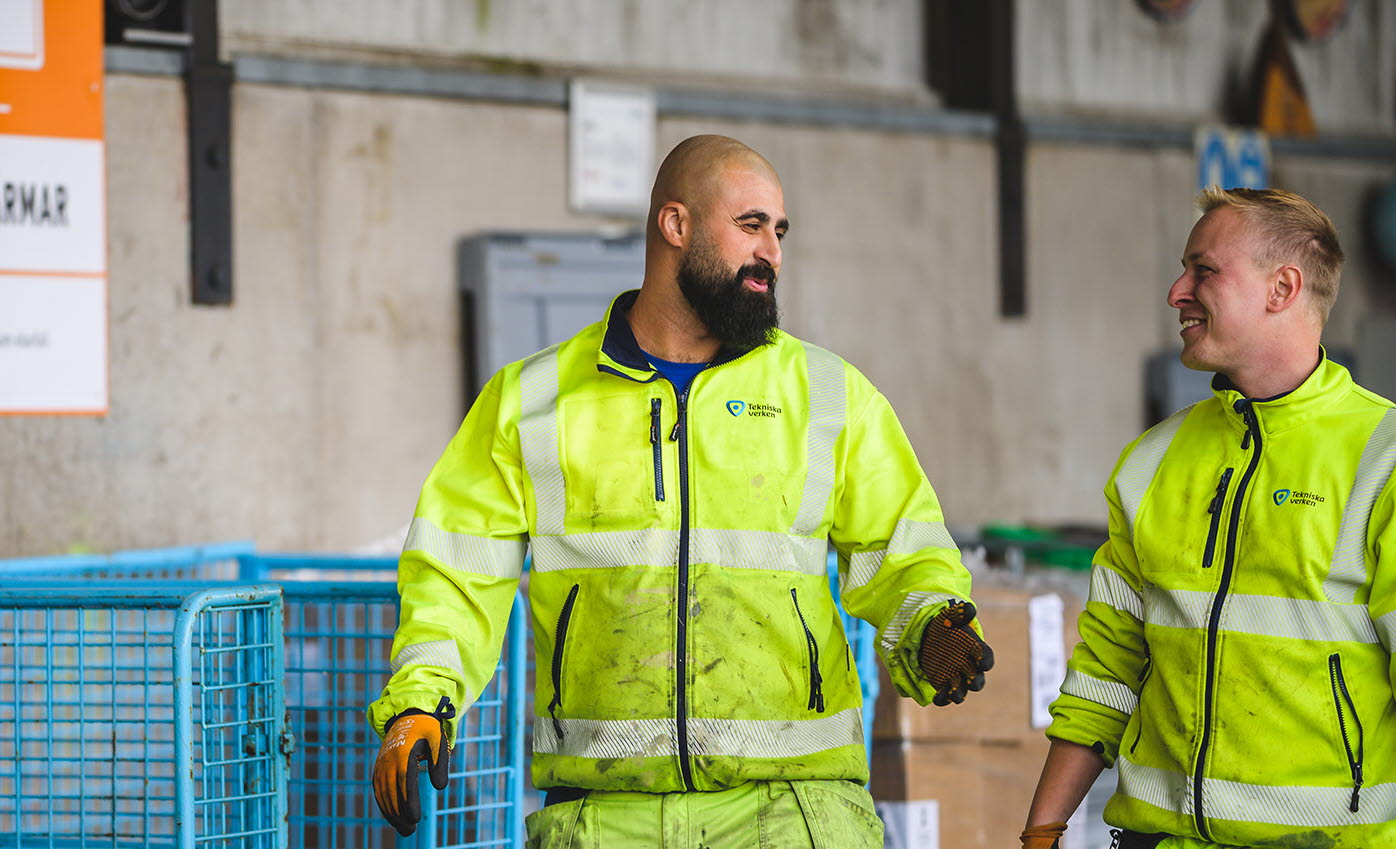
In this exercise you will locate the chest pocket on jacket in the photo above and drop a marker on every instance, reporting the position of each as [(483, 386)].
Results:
[(1181, 530), (608, 461)]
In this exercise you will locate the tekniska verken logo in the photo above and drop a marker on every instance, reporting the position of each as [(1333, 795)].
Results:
[(752, 408), (1297, 497)]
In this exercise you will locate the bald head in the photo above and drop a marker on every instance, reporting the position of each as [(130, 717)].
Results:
[(690, 174)]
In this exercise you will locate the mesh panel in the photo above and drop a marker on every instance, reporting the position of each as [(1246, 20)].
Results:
[(337, 645), (93, 694)]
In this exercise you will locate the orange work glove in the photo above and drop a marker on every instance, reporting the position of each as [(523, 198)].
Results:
[(1045, 836), (411, 736), (952, 656)]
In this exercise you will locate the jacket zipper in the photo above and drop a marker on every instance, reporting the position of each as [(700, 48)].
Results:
[(680, 434), (1247, 411), (658, 447), (563, 619), (1143, 679), (1340, 686), (816, 680), (1215, 508)]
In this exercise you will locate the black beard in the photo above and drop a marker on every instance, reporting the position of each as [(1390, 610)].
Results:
[(739, 318)]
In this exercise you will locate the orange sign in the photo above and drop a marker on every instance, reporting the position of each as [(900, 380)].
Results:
[(53, 256), (62, 97)]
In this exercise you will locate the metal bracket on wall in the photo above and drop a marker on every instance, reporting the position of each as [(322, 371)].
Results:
[(1010, 150), (208, 95), (970, 60)]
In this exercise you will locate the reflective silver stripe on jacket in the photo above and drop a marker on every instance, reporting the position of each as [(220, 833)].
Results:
[(827, 412), (1139, 468), (1296, 806), (443, 653), (740, 738), (1262, 615), (1301, 807), (495, 558), (1386, 630), (660, 547), (1112, 694), (1349, 568), (910, 606), (538, 437), (1171, 791), (909, 537), (1110, 588)]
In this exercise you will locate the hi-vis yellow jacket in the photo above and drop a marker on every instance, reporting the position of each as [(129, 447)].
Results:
[(1236, 654), (685, 634)]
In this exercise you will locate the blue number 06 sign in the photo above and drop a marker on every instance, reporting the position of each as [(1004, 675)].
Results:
[(1231, 158)]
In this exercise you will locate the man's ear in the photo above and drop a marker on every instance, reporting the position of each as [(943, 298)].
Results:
[(1285, 289), (674, 223)]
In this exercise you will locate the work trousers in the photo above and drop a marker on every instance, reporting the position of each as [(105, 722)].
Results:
[(1135, 840), (810, 814)]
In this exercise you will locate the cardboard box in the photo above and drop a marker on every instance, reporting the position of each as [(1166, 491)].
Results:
[(1002, 711), (981, 789)]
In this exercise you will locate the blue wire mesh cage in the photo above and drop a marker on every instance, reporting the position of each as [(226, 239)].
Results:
[(338, 637), (107, 771), (142, 717)]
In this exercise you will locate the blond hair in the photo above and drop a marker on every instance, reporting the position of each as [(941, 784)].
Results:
[(1289, 230)]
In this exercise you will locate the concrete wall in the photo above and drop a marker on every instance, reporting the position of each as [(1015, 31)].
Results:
[(1107, 56), (844, 45)]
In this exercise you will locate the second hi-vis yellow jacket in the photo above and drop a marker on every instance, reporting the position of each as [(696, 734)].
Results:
[(1236, 654), (685, 634)]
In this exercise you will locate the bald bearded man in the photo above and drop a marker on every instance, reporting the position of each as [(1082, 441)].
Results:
[(679, 470)]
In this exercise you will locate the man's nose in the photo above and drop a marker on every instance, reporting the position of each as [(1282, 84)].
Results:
[(768, 250), (1180, 292)]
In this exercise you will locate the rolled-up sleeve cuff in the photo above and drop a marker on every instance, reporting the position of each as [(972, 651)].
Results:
[(1088, 723)]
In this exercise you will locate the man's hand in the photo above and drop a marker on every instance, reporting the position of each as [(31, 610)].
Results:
[(412, 737), (1045, 836), (952, 656)]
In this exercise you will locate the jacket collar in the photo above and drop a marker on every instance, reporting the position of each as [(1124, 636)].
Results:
[(1328, 382), (621, 355)]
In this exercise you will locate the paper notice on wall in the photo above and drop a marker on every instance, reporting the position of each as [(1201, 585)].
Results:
[(611, 147), (910, 825), (1047, 655)]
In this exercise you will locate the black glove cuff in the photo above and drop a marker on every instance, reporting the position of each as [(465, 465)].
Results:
[(444, 711)]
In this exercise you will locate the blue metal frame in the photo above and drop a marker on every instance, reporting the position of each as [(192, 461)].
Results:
[(99, 677), (198, 562)]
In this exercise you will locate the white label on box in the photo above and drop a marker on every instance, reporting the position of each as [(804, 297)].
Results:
[(53, 344), (1047, 655), (910, 825)]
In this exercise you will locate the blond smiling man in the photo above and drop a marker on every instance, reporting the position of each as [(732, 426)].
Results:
[(1236, 657)]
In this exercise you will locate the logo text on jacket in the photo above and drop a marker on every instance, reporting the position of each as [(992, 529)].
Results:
[(753, 408), (1297, 496)]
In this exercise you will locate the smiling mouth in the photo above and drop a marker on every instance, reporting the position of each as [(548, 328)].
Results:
[(1190, 323)]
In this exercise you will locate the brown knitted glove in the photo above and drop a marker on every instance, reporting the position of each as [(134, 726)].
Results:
[(1045, 836), (952, 656)]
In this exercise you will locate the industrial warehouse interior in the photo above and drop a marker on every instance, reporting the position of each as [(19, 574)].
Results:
[(260, 258)]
